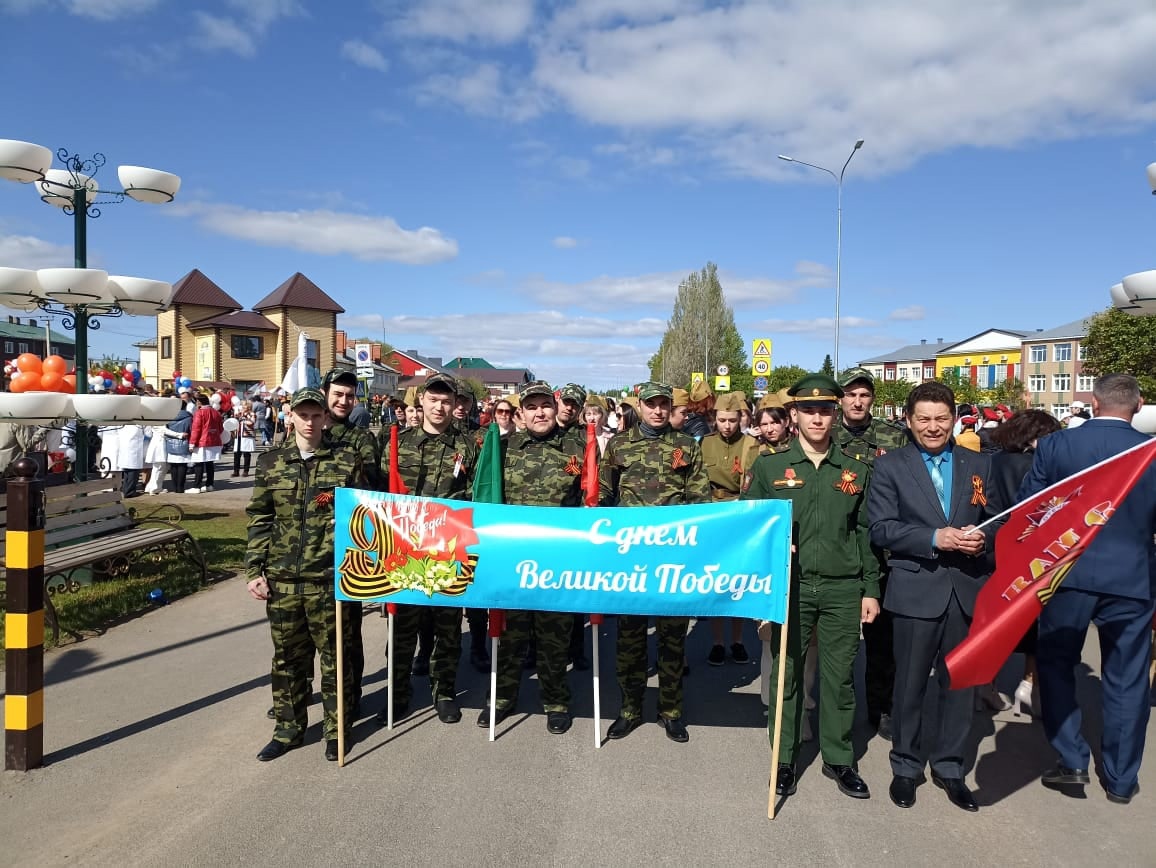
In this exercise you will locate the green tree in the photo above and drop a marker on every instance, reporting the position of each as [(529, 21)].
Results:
[(785, 376), (966, 392), (828, 366), (1118, 343), (701, 335), (1010, 392), (476, 386), (891, 393)]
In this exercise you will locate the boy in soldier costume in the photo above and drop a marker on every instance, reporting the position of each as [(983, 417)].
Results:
[(289, 562), (542, 466), (435, 460), (652, 465)]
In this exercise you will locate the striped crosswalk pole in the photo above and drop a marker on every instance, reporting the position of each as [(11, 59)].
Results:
[(24, 621)]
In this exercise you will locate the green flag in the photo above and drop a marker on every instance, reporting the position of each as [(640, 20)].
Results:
[(488, 474)]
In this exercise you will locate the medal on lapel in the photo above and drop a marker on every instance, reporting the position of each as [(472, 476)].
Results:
[(846, 483)]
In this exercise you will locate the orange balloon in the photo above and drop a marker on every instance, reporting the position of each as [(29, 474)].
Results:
[(25, 382), (69, 384), (54, 365), (29, 363), (16, 384), (50, 381)]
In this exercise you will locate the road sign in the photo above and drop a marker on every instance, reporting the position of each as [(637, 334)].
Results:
[(761, 356), (761, 367), (761, 347), (722, 384), (363, 353), (760, 383), (723, 370), (697, 377)]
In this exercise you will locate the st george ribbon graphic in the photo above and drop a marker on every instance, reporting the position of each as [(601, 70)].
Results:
[(707, 560)]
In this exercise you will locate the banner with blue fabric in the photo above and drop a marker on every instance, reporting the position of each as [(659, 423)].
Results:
[(707, 560)]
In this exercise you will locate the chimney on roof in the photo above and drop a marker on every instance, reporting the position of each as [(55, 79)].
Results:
[(923, 340), (375, 351), (340, 339), (1039, 330), (939, 340)]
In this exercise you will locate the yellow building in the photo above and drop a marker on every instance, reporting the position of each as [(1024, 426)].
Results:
[(986, 359), (209, 338)]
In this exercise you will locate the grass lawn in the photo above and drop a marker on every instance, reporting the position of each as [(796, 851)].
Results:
[(94, 608)]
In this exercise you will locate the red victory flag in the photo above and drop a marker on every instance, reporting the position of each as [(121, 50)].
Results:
[(1043, 537), (590, 467), (396, 485)]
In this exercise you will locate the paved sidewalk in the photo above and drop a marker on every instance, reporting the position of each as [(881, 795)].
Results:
[(152, 730)]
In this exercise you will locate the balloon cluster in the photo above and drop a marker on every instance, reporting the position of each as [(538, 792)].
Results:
[(28, 373), (179, 381), (119, 382)]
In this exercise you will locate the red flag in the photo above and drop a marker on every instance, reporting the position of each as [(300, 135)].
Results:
[(1043, 537), (590, 467), (396, 486)]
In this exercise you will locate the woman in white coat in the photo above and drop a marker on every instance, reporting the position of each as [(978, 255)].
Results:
[(156, 458), (130, 457)]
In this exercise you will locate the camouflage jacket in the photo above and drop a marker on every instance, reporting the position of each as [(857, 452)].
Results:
[(291, 511), (361, 441), (636, 471), (542, 472), (726, 463), (880, 437), (434, 465)]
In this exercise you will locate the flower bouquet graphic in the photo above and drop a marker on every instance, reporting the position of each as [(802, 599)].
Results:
[(411, 545)]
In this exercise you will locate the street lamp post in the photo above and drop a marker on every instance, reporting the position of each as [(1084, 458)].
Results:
[(838, 233), (75, 190)]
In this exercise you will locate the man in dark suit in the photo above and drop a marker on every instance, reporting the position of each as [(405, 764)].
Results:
[(1111, 585), (923, 504)]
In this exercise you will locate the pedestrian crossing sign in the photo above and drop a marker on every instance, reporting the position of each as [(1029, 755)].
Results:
[(761, 347)]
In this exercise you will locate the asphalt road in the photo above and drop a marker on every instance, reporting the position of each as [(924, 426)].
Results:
[(152, 731)]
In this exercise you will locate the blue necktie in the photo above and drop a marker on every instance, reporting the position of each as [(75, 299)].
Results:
[(937, 480)]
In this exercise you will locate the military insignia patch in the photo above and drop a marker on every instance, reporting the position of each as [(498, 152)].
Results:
[(846, 483), (789, 480), (978, 498), (572, 466), (678, 460), (748, 477), (323, 498)]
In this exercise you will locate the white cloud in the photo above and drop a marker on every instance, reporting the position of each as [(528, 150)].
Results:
[(909, 313), (565, 242), (484, 89), (26, 251), (108, 10), (821, 326), (740, 82), (526, 328), (328, 233), (216, 33), (364, 54)]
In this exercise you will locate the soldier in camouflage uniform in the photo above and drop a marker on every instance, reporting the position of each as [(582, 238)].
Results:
[(571, 407), (435, 460), (865, 438), (727, 455), (652, 465), (542, 466), (289, 564)]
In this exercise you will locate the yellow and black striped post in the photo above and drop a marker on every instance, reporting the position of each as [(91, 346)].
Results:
[(24, 621)]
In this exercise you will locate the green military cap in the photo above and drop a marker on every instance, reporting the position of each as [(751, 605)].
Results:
[(654, 390), (771, 399), (816, 389), (596, 401), (731, 402), (462, 388), (441, 383), (410, 399), (345, 377), (574, 392), (538, 387), (855, 375), (515, 401), (700, 391), (681, 397), (304, 396)]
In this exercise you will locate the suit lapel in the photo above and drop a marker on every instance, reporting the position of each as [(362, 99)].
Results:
[(960, 482), (922, 478)]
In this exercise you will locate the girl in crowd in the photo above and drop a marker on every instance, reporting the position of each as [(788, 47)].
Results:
[(246, 439), (595, 412), (504, 416), (774, 427)]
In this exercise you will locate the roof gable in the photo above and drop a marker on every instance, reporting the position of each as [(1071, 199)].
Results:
[(299, 291), (910, 353), (468, 362), (992, 339), (196, 288), (237, 319), (1075, 329)]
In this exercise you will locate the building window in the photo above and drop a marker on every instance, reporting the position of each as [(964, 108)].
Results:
[(1061, 382), (1084, 382), (1061, 410), (247, 346), (166, 348), (22, 347), (1081, 352), (1038, 353), (929, 372), (877, 373), (1037, 383), (903, 373), (313, 362), (1061, 352), (889, 374), (8, 347)]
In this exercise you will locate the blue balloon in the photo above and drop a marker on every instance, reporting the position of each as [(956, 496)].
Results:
[(107, 383), (185, 381), (135, 376)]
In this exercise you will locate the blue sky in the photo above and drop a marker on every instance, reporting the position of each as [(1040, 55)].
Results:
[(529, 181)]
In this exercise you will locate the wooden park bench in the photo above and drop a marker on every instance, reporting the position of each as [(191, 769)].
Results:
[(87, 524)]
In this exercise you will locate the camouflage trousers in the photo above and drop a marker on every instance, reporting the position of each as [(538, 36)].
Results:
[(302, 622), (632, 659), (447, 651), (551, 632)]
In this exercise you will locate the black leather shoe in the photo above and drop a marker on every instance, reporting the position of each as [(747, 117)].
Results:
[(420, 667), (1120, 798), (578, 658), (331, 750), (902, 790), (1061, 776), (957, 792), (480, 660), (557, 722), (400, 710), (623, 726), (786, 784), (275, 749), (484, 716), (884, 727), (675, 729), (448, 710), (848, 781)]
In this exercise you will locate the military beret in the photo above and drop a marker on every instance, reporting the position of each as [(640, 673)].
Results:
[(654, 390), (305, 396), (854, 375), (538, 387), (730, 402), (441, 383), (816, 389), (967, 420), (681, 397), (990, 415), (699, 391), (574, 392), (596, 401)]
